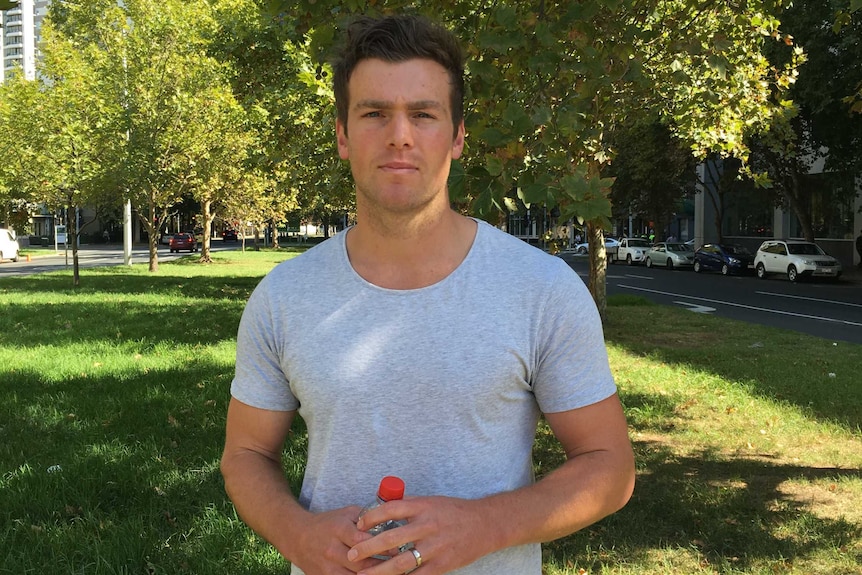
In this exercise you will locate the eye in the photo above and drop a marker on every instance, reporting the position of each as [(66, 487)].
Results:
[(373, 114)]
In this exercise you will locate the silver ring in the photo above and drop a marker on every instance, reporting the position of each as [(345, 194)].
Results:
[(418, 556)]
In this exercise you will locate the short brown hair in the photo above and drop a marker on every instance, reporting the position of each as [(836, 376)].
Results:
[(397, 39)]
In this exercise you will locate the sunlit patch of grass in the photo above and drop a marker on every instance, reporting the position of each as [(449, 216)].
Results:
[(112, 422)]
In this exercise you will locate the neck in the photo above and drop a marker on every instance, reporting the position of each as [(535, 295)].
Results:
[(409, 253)]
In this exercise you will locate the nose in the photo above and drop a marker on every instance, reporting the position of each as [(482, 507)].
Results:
[(400, 131)]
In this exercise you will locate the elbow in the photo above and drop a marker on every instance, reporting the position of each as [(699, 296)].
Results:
[(226, 467), (626, 481)]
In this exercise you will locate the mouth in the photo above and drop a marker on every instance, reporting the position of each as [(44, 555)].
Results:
[(398, 167)]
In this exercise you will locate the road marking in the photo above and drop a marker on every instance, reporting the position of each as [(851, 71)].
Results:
[(696, 308), (809, 298), (755, 308), (639, 277)]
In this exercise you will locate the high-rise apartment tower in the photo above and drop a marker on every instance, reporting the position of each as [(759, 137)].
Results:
[(19, 37)]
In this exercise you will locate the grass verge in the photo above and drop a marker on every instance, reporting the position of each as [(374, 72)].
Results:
[(114, 395)]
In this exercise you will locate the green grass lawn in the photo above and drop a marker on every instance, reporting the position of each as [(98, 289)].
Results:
[(748, 439)]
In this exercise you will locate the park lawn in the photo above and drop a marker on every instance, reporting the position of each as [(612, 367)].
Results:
[(748, 439)]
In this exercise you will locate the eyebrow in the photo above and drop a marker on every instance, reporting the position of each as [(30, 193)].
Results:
[(388, 104)]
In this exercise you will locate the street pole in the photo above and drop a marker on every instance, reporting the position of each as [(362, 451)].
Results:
[(127, 233)]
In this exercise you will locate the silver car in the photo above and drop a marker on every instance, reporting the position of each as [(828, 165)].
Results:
[(671, 255)]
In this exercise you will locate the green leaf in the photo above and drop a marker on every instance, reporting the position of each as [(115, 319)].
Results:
[(483, 69), (500, 41), (493, 165), (507, 17), (545, 36), (493, 137), (457, 181), (719, 64), (541, 115)]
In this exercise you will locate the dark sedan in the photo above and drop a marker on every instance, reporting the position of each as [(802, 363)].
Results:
[(724, 258), (229, 235), (180, 242)]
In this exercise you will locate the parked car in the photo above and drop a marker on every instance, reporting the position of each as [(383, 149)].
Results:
[(726, 258), (9, 248), (610, 243), (795, 258), (229, 235), (181, 242), (671, 255), (629, 250), (165, 239)]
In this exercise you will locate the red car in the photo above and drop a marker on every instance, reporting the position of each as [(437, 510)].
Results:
[(181, 242)]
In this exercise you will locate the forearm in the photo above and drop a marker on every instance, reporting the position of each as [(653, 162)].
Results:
[(580, 492), (596, 480), (263, 499)]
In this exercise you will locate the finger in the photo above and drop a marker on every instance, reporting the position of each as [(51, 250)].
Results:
[(385, 543), (410, 560)]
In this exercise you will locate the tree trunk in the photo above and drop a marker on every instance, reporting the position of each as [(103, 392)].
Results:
[(206, 210), (152, 234), (72, 234), (273, 226), (793, 193), (598, 267)]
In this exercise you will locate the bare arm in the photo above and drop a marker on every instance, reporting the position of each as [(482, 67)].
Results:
[(255, 482), (596, 480)]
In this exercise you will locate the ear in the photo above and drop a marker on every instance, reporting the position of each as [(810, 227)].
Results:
[(341, 137), (458, 143)]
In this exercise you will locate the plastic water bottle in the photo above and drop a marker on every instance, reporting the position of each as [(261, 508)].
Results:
[(390, 489)]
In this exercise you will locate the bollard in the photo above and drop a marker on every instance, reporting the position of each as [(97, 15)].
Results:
[(28, 258)]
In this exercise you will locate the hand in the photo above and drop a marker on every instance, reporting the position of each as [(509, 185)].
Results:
[(448, 532), (326, 538)]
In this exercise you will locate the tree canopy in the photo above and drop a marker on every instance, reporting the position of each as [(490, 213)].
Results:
[(548, 83)]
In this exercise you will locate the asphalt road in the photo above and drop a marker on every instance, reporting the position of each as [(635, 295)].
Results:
[(831, 310), (823, 309), (93, 256)]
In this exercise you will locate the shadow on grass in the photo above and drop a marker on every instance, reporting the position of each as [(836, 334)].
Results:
[(781, 365), (114, 281), (99, 474), (193, 322), (731, 513), (194, 310)]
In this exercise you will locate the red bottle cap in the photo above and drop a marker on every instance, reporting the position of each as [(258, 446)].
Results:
[(391, 487)]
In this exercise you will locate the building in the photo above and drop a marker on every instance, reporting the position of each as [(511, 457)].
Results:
[(19, 37), (750, 216)]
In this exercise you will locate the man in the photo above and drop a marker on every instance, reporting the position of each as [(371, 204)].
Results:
[(859, 248), (423, 344)]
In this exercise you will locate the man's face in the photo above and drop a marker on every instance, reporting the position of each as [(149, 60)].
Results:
[(399, 137)]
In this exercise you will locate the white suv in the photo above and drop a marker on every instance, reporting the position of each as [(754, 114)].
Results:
[(8, 246), (795, 258)]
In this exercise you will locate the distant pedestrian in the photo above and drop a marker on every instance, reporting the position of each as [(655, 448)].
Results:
[(106, 236), (859, 248)]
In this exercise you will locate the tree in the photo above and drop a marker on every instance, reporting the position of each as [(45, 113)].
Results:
[(821, 127), (848, 11), (653, 172), (157, 60), (288, 98), (548, 81), (63, 134), (219, 149), (17, 180)]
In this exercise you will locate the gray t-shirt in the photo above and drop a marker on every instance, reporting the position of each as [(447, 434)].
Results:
[(442, 386)]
